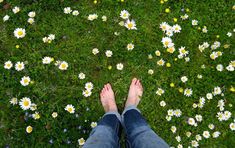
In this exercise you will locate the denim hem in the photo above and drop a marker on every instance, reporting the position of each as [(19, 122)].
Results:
[(114, 113)]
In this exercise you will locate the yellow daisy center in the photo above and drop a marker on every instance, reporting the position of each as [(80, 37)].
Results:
[(70, 109), (26, 103), (20, 33), (130, 25), (26, 81)]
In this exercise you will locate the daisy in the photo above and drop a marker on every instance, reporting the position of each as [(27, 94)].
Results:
[(171, 49), (162, 103), (130, 25), (173, 129), (204, 30), (70, 108), (164, 26), (89, 86), (161, 62), (25, 80), (191, 121), (108, 53), (167, 42), (92, 17), (229, 34), (119, 66), (14, 101), (216, 134), (32, 14), (95, 51), (51, 37), (188, 134), (25, 103), (209, 96), (36, 115), (47, 60), (194, 22), (220, 67), (31, 21), (29, 129), (160, 91), (19, 33), (177, 112), (211, 126), (232, 126), (206, 134), (150, 71), (217, 90), (230, 68), (75, 13), (198, 137), (67, 10), (176, 28), (81, 76), (33, 107), (198, 118), (168, 118), (169, 33), (93, 124), (184, 17), (188, 92), (104, 18), (170, 112), (182, 51), (194, 143), (178, 138), (8, 65), (184, 79), (16, 9), (6, 18), (124, 14), (81, 141), (86, 93), (19, 66), (63, 65), (130, 46), (54, 114), (157, 53)]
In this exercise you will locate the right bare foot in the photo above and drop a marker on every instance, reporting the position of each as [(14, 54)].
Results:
[(135, 93), (107, 99)]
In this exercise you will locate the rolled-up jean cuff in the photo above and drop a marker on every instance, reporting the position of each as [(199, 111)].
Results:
[(114, 113), (130, 108)]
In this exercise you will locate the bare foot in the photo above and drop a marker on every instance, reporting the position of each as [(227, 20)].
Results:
[(107, 98), (135, 92)]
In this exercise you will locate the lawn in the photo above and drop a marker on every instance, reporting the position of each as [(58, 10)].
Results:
[(183, 53)]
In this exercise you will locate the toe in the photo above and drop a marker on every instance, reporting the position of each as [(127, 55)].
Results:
[(137, 82), (133, 81), (109, 86), (106, 87)]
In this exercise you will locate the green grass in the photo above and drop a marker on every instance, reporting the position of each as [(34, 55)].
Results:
[(76, 37)]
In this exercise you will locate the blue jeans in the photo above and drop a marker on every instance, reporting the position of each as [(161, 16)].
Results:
[(138, 132)]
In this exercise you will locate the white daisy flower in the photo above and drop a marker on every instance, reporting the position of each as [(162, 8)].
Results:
[(16, 9), (232, 126), (173, 129), (216, 134), (178, 138), (54, 114), (51, 37), (14, 101), (229, 34), (89, 86), (184, 17), (206, 134), (104, 18), (198, 118), (188, 92), (161, 62), (19, 33), (31, 21), (209, 96), (75, 13), (33, 107), (81, 76), (124, 14), (70, 108), (167, 42), (81, 141), (93, 124), (220, 67), (183, 52), (211, 126), (184, 79), (169, 33), (86, 93), (176, 28), (130, 46), (63, 65), (168, 118), (170, 112), (119, 66), (8, 65), (19, 66), (25, 80), (92, 17), (108, 53), (47, 60), (6, 18), (25, 103), (191, 121), (162, 103), (177, 112), (230, 68), (32, 14), (198, 137), (160, 91), (194, 22), (36, 115), (217, 90), (67, 10), (29, 129), (164, 26), (150, 71), (95, 51), (194, 143), (130, 25), (204, 29)]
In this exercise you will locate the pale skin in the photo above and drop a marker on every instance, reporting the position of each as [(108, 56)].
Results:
[(107, 97)]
